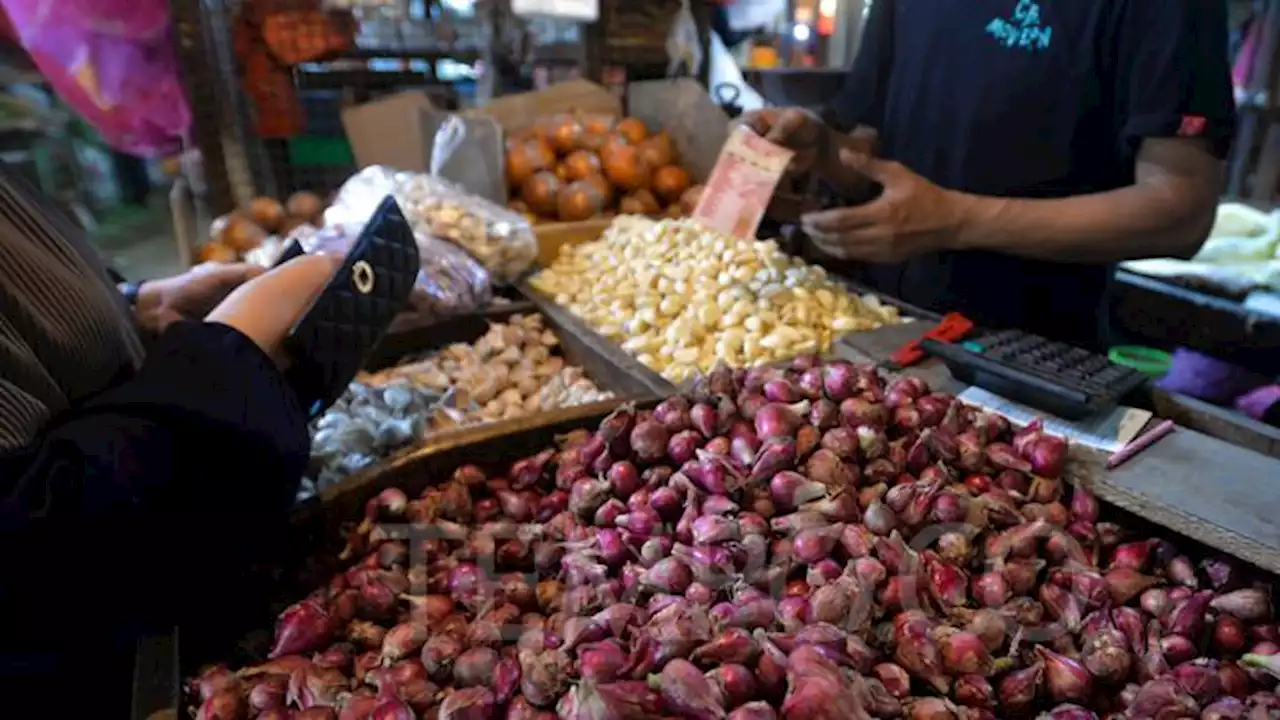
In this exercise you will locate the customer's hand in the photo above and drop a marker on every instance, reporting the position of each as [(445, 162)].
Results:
[(796, 129), (189, 295), (266, 308), (911, 216)]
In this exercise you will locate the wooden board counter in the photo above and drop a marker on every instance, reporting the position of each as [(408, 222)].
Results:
[(1223, 495)]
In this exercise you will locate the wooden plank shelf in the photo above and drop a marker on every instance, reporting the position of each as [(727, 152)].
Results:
[(1220, 494)]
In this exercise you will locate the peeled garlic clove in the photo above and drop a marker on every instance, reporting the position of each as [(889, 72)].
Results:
[(550, 367), (527, 386)]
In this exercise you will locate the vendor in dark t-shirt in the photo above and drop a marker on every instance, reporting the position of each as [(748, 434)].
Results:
[(1023, 148)]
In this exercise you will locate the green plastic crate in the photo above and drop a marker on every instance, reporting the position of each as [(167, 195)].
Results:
[(314, 151)]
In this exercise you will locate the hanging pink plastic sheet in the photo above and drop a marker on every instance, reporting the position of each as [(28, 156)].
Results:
[(145, 20), (127, 88)]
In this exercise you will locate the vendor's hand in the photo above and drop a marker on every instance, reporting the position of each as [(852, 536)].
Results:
[(266, 308), (189, 295), (796, 129), (912, 216)]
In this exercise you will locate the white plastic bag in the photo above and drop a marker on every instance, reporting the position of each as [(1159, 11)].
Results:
[(501, 240), (1241, 234), (684, 51)]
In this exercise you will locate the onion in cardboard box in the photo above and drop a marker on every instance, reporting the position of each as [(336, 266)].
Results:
[(599, 124), (625, 168), (658, 150), (527, 158), (604, 187), (581, 164), (540, 192), (671, 182), (689, 200), (566, 134), (633, 129), (640, 202), (579, 201)]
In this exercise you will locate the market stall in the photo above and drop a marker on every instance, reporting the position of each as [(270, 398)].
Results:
[(685, 477), (742, 585)]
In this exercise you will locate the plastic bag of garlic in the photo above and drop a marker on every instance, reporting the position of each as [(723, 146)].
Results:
[(510, 371), (682, 298), (501, 240)]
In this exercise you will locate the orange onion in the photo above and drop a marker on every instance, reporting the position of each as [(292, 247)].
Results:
[(539, 192), (603, 186), (581, 164), (658, 150), (598, 124), (670, 182), (689, 200), (566, 134), (526, 159), (612, 144), (626, 169), (578, 201), (633, 129), (640, 202)]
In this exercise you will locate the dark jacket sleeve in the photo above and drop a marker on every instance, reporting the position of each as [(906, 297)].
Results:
[(152, 492)]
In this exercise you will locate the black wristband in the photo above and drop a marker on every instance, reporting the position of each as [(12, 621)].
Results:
[(130, 292)]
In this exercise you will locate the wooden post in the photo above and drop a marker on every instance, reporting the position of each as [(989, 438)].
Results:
[(196, 64)]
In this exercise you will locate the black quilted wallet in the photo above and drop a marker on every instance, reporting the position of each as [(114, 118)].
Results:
[(332, 340)]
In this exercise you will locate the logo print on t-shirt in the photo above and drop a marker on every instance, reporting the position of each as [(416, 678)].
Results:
[(1023, 30)]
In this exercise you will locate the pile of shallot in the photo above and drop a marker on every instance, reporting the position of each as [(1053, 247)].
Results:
[(811, 542)]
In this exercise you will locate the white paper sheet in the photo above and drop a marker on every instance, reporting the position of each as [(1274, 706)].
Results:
[(1108, 432)]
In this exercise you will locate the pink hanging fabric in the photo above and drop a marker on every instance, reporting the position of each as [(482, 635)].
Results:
[(1242, 70), (113, 63)]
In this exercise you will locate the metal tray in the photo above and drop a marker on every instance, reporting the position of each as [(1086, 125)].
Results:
[(398, 344), (467, 328), (660, 385), (305, 553), (562, 317)]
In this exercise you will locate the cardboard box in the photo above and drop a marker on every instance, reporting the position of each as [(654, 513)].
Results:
[(682, 108), (386, 131), (553, 236), (520, 111)]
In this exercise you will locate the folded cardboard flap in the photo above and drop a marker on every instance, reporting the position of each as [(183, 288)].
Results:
[(386, 131), (684, 109), (520, 111)]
